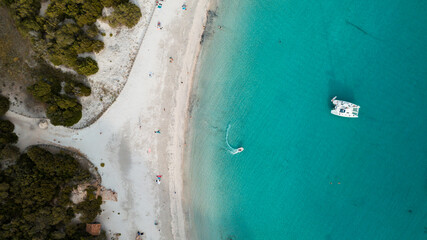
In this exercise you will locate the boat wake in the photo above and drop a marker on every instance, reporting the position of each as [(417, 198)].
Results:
[(229, 147)]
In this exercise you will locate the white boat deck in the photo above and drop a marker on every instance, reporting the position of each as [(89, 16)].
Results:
[(345, 109)]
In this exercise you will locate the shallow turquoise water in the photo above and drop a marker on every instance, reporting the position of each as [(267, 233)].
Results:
[(270, 73)]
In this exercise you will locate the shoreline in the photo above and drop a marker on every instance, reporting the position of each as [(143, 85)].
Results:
[(156, 97), (180, 222), (191, 95)]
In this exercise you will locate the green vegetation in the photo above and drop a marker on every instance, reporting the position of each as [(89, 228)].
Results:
[(6, 132), (65, 31), (90, 207), (4, 105), (77, 89), (125, 14), (7, 136), (67, 28), (86, 66), (35, 197), (9, 153), (112, 3), (35, 190), (61, 109), (64, 111)]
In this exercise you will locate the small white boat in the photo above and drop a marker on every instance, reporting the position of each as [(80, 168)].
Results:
[(345, 109), (240, 149)]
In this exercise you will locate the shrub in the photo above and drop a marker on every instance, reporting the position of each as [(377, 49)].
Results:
[(65, 36), (6, 126), (60, 167), (41, 90), (64, 111), (9, 153), (112, 3), (4, 105), (84, 12), (86, 66), (127, 14), (61, 110), (84, 44), (91, 9), (77, 89), (92, 31), (60, 56), (90, 207), (8, 138), (24, 9)]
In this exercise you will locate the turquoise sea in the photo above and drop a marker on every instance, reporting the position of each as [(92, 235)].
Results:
[(269, 74)]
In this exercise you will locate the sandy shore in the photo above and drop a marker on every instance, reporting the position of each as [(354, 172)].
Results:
[(155, 97)]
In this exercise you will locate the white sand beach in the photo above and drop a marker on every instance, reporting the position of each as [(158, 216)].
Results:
[(155, 97)]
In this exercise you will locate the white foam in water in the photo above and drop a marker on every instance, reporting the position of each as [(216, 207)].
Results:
[(229, 147)]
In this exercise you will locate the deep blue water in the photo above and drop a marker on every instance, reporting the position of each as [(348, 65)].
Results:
[(270, 72)]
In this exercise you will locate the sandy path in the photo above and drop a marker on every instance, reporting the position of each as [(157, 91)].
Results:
[(124, 139)]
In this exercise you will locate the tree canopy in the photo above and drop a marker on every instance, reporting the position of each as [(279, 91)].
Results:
[(35, 197), (60, 36), (61, 109), (4, 105), (7, 136), (35, 190), (125, 14), (68, 28)]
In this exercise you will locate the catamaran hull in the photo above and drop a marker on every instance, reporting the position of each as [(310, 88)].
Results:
[(345, 109), (334, 112)]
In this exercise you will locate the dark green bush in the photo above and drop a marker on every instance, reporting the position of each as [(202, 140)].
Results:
[(84, 12), (112, 3), (86, 66), (90, 207), (91, 9), (92, 31), (41, 90), (9, 153), (24, 13), (6, 126), (4, 105), (77, 89), (61, 167), (63, 57), (126, 14), (61, 109), (84, 44), (7, 136), (65, 36), (64, 111)]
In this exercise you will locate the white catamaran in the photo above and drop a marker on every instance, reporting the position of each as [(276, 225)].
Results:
[(345, 109)]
